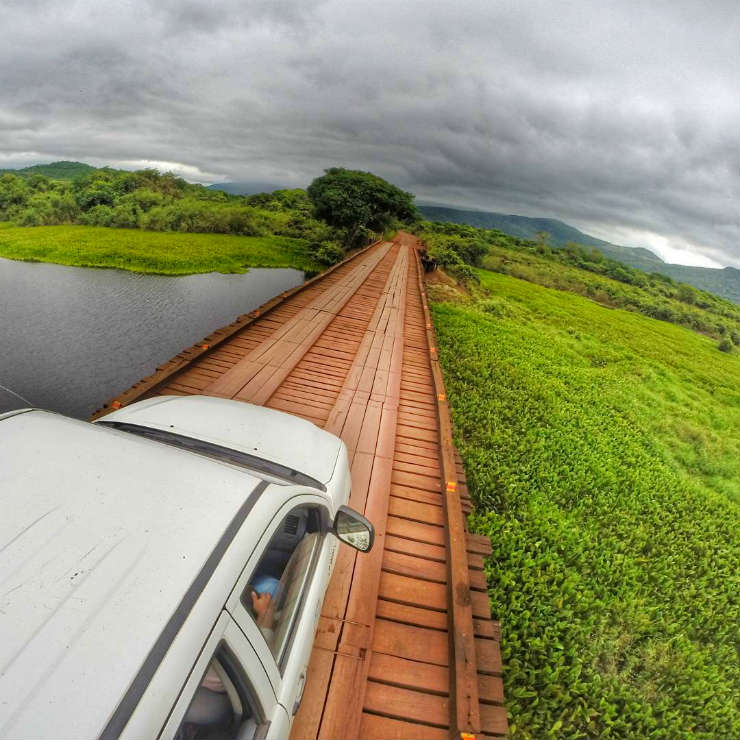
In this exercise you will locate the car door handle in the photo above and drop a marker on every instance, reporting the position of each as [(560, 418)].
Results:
[(299, 698)]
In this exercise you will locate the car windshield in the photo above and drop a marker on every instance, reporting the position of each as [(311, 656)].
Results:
[(224, 454)]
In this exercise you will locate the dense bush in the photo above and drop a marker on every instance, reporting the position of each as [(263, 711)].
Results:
[(153, 201), (602, 450)]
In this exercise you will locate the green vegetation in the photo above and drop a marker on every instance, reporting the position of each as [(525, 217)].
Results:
[(145, 251), (583, 271), (153, 201), (289, 224), (359, 202), (723, 282), (602, 450)]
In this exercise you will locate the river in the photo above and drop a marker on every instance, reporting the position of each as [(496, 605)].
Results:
[(73, 337)]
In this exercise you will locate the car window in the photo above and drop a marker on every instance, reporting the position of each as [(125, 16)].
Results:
[(223, 705), (275, 591)]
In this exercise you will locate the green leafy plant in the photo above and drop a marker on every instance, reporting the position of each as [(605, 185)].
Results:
[(602, 450)]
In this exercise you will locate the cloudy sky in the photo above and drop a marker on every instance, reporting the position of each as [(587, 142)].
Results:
[(617, 116)]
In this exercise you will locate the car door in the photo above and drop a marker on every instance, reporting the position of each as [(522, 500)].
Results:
[(296, 579), (227, 694)]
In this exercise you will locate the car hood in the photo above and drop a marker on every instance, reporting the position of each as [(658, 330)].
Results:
[(272, 435)]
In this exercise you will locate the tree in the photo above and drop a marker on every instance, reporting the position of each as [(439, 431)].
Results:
[(353, 201), (686, 293), (542, 242)]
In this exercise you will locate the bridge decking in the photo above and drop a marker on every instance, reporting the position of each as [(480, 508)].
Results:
[(405, 646)]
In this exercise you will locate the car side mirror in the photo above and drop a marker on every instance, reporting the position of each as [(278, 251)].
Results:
[(351, 527)]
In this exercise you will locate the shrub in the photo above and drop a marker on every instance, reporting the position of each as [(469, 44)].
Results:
[(725, 345), (327, 253), (97, 216), (686, 294)]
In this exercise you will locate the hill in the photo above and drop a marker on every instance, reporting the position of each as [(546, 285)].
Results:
[(55, 170), (724, 282)]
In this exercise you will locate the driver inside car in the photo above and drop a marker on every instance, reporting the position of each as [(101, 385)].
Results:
[(263, 590)]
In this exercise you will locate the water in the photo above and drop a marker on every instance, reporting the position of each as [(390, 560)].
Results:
[(73, 337)]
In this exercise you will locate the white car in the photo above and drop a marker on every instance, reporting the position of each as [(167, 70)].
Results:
[(162, 570)]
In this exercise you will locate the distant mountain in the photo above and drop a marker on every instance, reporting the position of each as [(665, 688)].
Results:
[(724, 282), (55, 170), (246, 188)]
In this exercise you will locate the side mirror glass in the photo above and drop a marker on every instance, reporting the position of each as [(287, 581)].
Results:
[(352, 528)]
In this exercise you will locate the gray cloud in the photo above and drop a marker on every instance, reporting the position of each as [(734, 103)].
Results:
[(617, 117)]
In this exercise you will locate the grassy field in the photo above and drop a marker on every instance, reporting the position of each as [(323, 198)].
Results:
[(603, 452), (166, 253)]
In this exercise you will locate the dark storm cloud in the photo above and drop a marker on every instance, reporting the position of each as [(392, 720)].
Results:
[(617, 117)]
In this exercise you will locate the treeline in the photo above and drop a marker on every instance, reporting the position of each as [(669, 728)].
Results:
[(582, 270), (342, 209), (154, 201)]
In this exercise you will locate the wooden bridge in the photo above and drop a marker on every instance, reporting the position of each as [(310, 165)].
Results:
[(405, 646)]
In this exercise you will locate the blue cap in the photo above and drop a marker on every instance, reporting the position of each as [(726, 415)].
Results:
[(265, 585)]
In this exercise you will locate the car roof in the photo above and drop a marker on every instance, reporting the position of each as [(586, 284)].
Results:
[(102, 535)]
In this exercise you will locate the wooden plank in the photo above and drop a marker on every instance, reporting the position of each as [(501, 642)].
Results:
[(480, 544), (485, 628), (416, 511), (414, 480), (427, 533), (413, 547), (488, 653), (411, 674), (411, 615), (408, 565), (477, 580), (407, 704), (412, 643), (479, 604), (413, 591), (490, 689), (416, 494), (493, 720), (376, 727), (475, 561)]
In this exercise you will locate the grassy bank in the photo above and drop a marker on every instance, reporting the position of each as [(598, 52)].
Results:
[(602, 450), (166, 253)]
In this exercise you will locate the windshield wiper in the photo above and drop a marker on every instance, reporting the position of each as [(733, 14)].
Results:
[(217, 452)]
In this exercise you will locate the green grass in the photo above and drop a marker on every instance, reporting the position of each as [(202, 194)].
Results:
[(166, 253), (603, 452), (605, 290)]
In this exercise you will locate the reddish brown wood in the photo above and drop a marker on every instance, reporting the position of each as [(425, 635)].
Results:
[(375, 726), (410, 674), (407, 704)]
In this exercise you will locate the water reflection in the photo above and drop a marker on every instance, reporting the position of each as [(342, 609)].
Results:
[(72, 337)]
